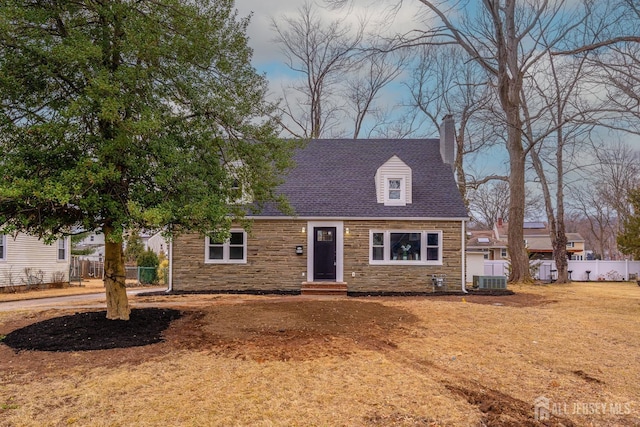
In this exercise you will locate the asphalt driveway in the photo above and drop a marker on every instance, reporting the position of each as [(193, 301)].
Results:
[(97, 299)]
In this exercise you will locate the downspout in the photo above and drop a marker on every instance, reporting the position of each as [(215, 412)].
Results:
[(464, 244), (170, 281)]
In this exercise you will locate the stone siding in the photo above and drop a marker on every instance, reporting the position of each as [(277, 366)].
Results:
[(400, 278), (272, 263)]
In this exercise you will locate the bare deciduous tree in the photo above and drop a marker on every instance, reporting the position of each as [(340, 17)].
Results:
[(594, 220), (490, 201), (617, 173), (602, 198), (505, 38), (375, 71), (321, 52), (445, 81), (553, 116)]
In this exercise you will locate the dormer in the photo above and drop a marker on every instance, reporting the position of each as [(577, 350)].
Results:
[(393, 183), (239, 189)]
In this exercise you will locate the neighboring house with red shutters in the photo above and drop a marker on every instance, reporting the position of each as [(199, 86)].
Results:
[(370, 216)]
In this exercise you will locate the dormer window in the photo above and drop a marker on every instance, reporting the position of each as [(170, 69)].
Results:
[(395, 192), (394, 189), (238, 191), (393, 183)]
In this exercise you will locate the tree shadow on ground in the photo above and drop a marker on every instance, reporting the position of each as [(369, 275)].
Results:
[(93, 331)]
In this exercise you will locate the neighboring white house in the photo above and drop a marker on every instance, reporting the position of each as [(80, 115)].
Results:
[(26, 260), (95, 241), (156, 243)]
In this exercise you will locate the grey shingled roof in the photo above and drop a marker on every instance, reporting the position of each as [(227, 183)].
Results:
[(335, 178)]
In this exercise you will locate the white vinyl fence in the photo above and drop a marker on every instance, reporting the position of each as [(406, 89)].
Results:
[(593, 270)]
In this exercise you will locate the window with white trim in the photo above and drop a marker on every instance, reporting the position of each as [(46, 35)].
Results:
[(3, 247), (62, 249), (405, 247), (395, 193), (231, 251), (239, 190), (503, 252)]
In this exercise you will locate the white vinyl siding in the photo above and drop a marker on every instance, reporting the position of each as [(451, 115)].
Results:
[(392, 170), (24, 253)]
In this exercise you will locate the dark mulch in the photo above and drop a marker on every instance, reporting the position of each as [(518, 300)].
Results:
[(488, 292), (222, 291), (93, 331)]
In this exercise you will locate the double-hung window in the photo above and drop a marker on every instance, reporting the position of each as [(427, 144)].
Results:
[(405, 247), (62, 249), (3, 247), (230, 251), (395, 192)]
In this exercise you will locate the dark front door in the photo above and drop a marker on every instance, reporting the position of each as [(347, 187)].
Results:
[(324, 253)]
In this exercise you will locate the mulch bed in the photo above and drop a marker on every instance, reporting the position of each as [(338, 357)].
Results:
[(488, 292), (93, 331)]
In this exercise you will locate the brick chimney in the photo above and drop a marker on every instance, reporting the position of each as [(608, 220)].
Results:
[(447, 140)]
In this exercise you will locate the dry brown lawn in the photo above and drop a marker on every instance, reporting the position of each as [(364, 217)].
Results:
[(300, 361)]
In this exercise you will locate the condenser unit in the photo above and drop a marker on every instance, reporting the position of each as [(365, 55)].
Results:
[(490, 282)]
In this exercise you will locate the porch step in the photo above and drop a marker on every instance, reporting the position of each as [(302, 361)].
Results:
[(324, 288)]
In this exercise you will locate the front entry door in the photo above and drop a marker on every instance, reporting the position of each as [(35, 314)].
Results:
[(324, 253)]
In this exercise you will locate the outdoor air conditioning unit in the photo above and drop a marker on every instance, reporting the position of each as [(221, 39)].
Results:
[(490, 282)]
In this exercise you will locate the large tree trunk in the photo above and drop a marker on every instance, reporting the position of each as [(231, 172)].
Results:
[(559, 238), (557, 230), (517, 250), (560, 255), (114, 278), (510, 78)]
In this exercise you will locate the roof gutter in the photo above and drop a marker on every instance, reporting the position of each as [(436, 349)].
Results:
[(170, 279), (355, 218)]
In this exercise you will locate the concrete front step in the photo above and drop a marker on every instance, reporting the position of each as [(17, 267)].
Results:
[(324, 288)]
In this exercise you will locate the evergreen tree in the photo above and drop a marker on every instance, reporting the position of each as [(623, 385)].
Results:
[(629, 238), (121, 115)]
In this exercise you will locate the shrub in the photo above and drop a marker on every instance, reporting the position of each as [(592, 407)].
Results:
[(148, 260), (163, 271)]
